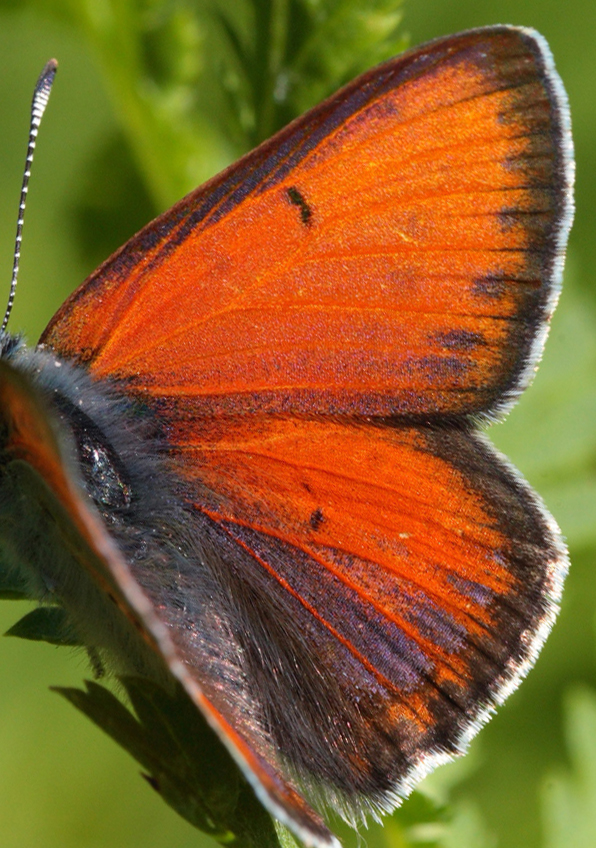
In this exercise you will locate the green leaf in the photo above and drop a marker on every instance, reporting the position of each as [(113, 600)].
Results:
[(183, 759), (13, 587), (45, 624)]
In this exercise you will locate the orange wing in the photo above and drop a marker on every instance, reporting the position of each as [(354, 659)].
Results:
[(393, 252), (350, 600), (395, 583), (345, 603)]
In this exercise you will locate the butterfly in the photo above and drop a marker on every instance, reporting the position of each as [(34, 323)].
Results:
[(247, 447)]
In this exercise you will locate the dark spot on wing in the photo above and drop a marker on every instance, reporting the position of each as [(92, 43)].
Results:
[(297, 198), (316, 519)]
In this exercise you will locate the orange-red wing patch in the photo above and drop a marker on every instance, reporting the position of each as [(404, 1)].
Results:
[(391, 252), (403, 575)]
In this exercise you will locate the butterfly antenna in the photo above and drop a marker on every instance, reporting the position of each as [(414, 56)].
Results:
[(41, 96)]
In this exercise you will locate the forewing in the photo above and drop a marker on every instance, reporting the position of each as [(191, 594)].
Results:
[(396, 251), (391, 585)]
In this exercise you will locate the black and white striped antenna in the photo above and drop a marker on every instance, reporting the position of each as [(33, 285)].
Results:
[(41, 96)]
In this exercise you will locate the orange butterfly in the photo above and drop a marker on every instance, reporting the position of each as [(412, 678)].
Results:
[(247, 443)]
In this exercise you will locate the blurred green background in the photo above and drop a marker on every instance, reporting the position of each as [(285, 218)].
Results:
[(114, 150)]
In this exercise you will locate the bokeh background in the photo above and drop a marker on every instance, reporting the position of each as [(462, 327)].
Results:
[(530, 779)]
